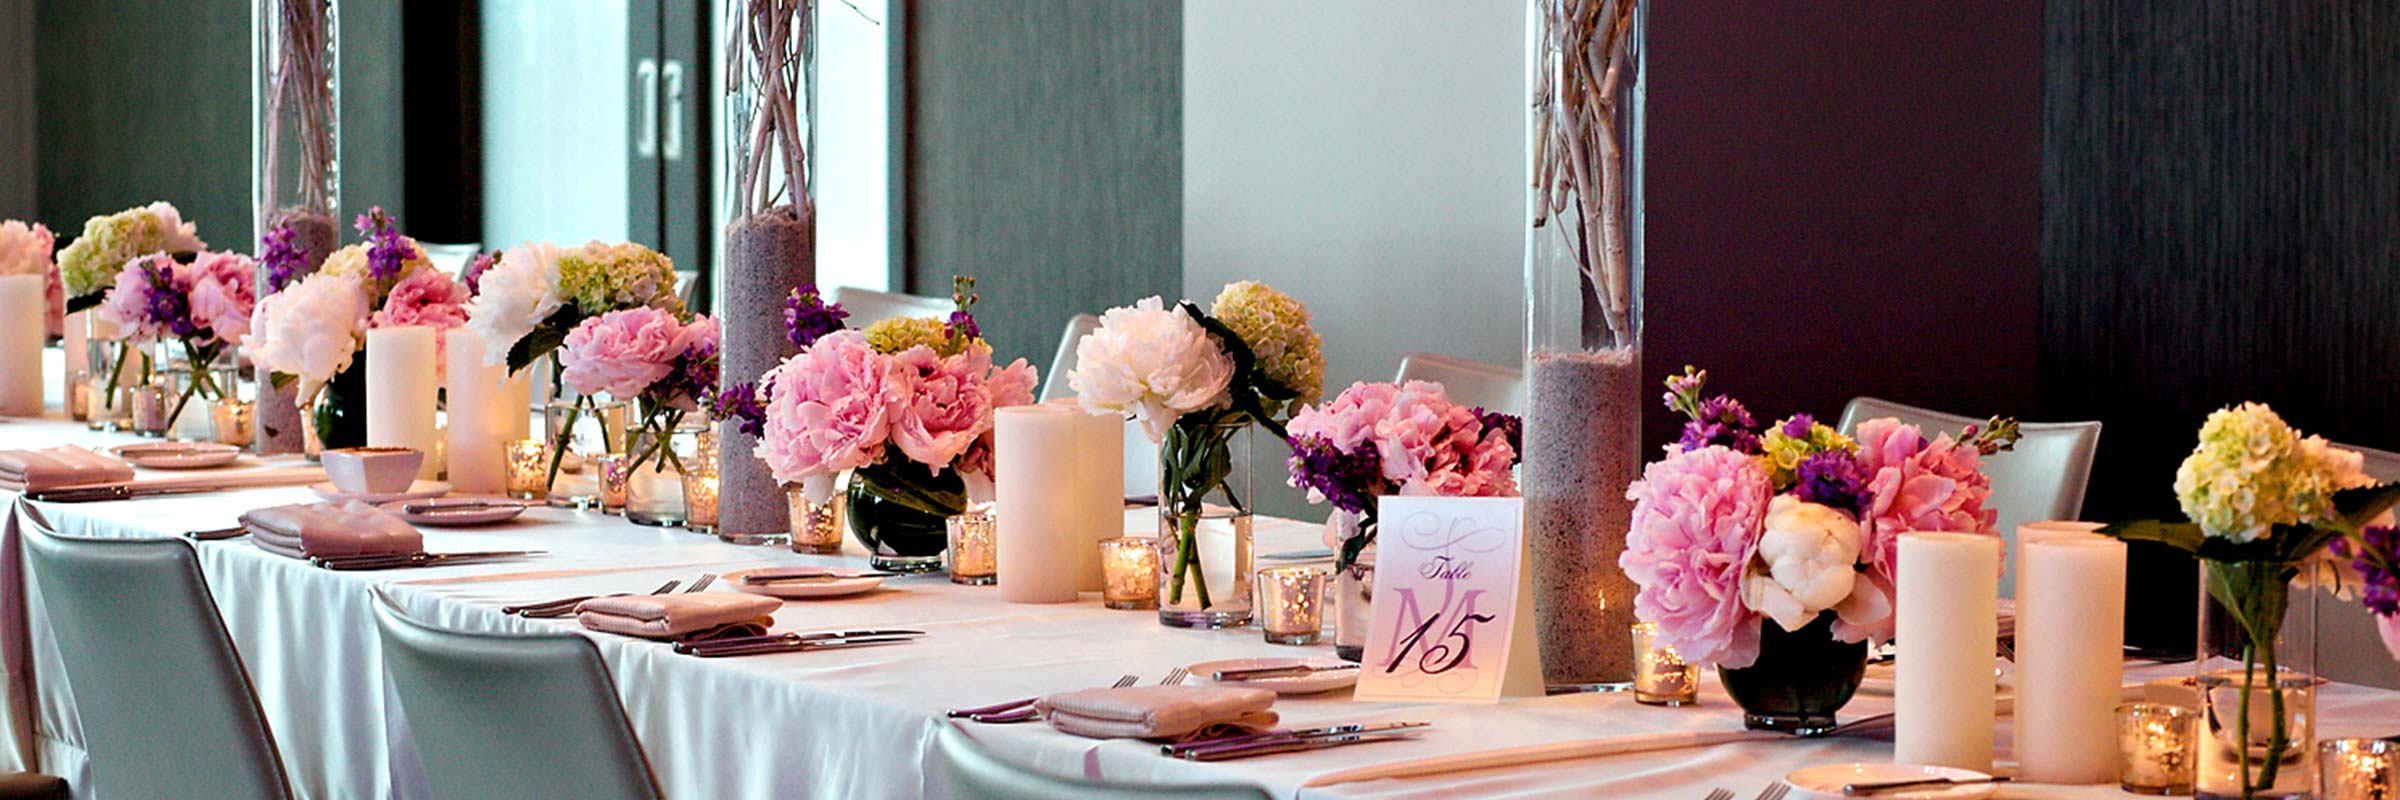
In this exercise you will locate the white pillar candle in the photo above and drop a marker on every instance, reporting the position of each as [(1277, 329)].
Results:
[(22, 329), (487, 411), (1035, 468), (1099, 497), (2030, 532), (2070, 654), (79, 365), (400, 388), (1943, 689)]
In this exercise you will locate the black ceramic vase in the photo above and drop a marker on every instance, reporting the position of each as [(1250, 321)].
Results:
[(1801, 678), (901, 513)]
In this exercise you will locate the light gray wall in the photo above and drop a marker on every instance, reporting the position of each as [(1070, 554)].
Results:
[(16, 109), (1366, 156)]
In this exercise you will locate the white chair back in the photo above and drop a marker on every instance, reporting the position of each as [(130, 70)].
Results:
[(1489, 386), (2349, 649), (1054, 381), (2042, 478), (867, 306)]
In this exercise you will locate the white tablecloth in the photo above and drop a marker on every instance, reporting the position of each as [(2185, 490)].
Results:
[(858, 723)]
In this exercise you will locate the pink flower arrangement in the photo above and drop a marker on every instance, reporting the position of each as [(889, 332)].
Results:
[(1737, 527), (840, 404), (1377, 439), (203, 303)]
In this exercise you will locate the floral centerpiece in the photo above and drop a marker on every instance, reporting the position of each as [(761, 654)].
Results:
[(665, 365), (204, 305), (906, 406), (310, 334), (1196, 381), (2261, 500), (1377, 439), (89, 265), (26, 250), (1774, 554)]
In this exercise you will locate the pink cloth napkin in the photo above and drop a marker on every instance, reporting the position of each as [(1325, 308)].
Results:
[(64, 465), (680, 616), (1160, 712), (349, 528)]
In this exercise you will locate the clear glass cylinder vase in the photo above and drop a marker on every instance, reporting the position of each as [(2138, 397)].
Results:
[(112, 369), (1205, 559), (1583, 278), (2257, 681), (654, 480), (580, 429), (295, 169)]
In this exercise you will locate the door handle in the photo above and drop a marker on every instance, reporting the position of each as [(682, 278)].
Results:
[(673, 141), (645, 82)]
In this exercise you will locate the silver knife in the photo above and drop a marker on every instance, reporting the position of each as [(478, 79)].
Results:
[(765, 580), (1276, 746), (1883, 787), (1266, 737), (414, 559), (432, 508), (1295, 670), (796, 647), (781, 638)]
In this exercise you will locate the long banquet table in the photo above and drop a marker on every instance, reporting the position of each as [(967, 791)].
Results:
[(847, 723)]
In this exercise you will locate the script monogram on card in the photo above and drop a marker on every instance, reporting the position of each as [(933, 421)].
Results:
[(1451, 618)]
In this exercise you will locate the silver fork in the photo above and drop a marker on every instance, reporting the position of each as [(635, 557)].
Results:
[(1175, 677), (1127, 682), (1720, 793), (565, 606), (706, 578), (1774, 791), (1022, 710)]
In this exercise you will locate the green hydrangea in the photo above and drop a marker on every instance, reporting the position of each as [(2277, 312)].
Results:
[(1275, 326), (599, 278), (1782, 453), (891, 336), (91, 262), (2251, 472)]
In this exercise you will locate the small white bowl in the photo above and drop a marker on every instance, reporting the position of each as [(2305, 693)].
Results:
[(373, 470)]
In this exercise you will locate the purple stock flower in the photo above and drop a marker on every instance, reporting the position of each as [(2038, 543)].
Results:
[(692, 377), (473, 276), (962, 325), (280, 257), (739, 403), (807, 317), (1834, 479), (1798, 426), (1510, 425), (169, 303), (2381, 587), (386, 248), (1721, 420), (1347, 480)]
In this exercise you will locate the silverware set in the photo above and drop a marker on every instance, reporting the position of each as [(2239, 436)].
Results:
[(1022, 710), (1294, 741), (795, 642), (402, 560), (564, 606)]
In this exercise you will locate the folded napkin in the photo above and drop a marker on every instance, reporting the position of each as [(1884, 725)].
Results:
[(348, 528), (1160, 712), (64, 465), (680, 617)]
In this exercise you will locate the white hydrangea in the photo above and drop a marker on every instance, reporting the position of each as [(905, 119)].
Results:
[(1150, 362), (2251, 471), (514, 296)]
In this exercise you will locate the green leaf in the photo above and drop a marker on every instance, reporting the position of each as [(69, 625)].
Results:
[(83, 302), (543, 339), (1247, 383), (2360, 507), (281, 380), (2182, 536)]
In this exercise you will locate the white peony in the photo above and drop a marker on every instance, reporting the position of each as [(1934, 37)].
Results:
[(181, 236), (310, 330), (1807, 562), (514, 296), (1151, 362)]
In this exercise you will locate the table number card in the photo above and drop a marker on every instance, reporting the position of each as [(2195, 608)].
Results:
[(1453, 603)]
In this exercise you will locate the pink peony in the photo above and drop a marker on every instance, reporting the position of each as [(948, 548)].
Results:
[(1010, 386), (1914, 485), (223, 293), (27, 250), (127, 302), (828, 408), (943, 404), (621, 352), (1349, 418), (1696, 516)]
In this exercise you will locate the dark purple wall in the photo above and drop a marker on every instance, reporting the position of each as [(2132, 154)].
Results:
[(1843, 200)]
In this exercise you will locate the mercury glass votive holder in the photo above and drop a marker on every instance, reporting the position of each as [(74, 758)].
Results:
[(2358, 769), (1291, 604), (1129, 572), (2157, 748), (615, 479), (151, 405), (236, 421), (700, 498), (528, 469), (816, 527), (1660, 676), (974, 556)]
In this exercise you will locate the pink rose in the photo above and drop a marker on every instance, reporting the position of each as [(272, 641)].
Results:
[(222, 292), (1914, 485), (1696, 516), (942, 404), (828, 408), (621, 352)]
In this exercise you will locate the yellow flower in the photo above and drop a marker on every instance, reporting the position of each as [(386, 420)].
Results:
[(1276, 328), (891, 336)]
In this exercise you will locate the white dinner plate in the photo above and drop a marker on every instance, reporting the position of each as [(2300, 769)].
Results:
[(421, 490), (805, 590), (1297, 684), (1825, 781), (502, 510), (177, 455)]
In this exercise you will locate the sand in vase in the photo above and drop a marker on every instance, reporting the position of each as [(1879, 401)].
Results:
[(766, 256), (279, 416), (1582, 442)]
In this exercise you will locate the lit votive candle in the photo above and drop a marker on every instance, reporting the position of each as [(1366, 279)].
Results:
[(528, 468), (2358, 769), (1129, 572), (1291, 604), (234, 420), (1660, 676), (700, 499), (614, 478), (974, 557), (150, 405), (816, 527), (2157, 747)]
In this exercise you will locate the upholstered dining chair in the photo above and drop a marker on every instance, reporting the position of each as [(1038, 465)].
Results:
[(975, 774), (509, 715), (166, 705), (2042, 478), (1488, 386), (2349, 649), (868, 306)]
